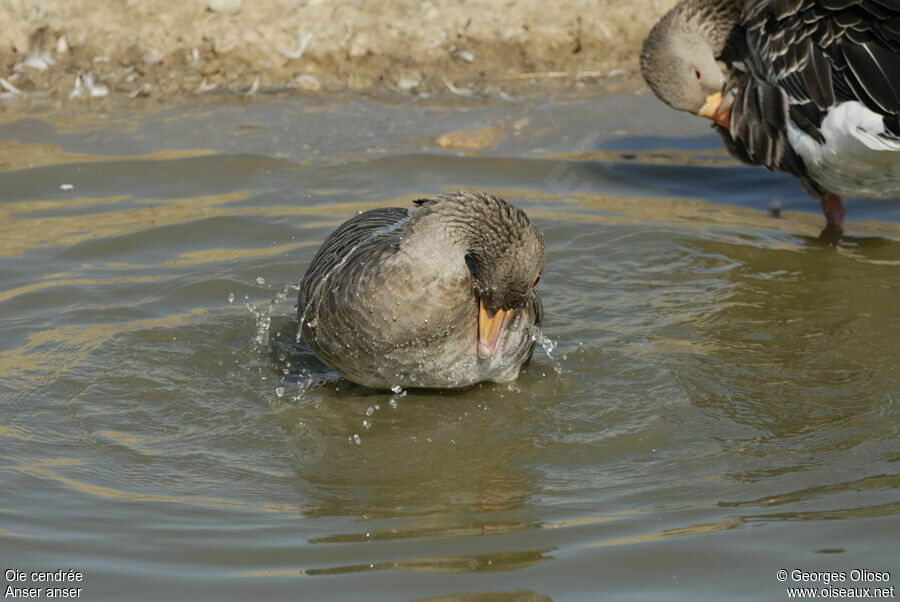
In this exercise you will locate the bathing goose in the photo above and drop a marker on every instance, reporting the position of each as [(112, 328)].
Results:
[(440, 295)]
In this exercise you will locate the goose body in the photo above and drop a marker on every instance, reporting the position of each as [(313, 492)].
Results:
[(809, 87), (440, 295)]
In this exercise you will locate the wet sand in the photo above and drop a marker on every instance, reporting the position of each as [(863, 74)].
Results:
[(75, 50)]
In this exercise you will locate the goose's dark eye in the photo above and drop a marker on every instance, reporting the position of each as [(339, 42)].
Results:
[(470, 262), (697, 73), (536, 280)]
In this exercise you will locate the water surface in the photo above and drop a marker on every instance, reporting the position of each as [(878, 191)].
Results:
[(721, 403)]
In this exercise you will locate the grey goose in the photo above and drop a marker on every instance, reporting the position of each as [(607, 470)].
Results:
[(808, 87), (440, 295)]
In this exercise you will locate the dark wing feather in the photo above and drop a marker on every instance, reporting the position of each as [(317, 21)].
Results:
[(876, 75), (758, 128), (816, 80), (803, 57), (363, 228)]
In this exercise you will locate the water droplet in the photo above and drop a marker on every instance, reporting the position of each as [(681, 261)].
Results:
[(260, 280), (393, 403), (367, 424), (279, 391), (231, 297), (370, 410), (357, 439), (397, 389)]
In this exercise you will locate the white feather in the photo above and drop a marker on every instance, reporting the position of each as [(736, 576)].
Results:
[(859, 158)]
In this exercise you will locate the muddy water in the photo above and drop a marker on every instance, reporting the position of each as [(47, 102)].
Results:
[(723, 400)]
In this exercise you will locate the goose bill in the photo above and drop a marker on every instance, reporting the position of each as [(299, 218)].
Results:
[(714, 110), (490, 329)]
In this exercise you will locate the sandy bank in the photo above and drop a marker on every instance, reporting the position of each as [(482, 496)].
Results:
[(65, 49)]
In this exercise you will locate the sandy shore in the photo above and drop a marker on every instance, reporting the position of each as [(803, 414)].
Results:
[(76, 49)]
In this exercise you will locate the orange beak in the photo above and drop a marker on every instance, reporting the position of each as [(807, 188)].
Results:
[(714, 110), (490, 329)]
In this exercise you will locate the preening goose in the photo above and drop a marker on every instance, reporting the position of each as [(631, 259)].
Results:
[(809, 87), (440, 295)]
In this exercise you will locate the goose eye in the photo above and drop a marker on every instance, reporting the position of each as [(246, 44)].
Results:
[(470, 263), (697, 73), (536, 280)]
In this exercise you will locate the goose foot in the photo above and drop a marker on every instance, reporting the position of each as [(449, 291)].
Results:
[(831, 235)]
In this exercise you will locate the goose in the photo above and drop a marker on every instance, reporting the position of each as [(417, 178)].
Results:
[(808, 87), (439, 295)]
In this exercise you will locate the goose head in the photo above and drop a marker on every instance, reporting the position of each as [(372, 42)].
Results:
[(501, 283), (678, 62), (500, 248)]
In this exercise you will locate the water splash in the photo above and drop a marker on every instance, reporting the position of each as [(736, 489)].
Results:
[(549, 346), (264, 316)]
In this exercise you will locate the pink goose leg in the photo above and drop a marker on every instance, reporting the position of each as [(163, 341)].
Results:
[(833, 208)]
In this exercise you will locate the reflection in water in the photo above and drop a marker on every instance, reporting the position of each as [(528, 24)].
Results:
[(454, 477), (805, 341), (723, 525), (476, 563), (875, 483), (516, 596), (716, 369)]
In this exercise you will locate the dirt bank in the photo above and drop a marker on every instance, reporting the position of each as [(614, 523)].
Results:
[(65, 49)]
